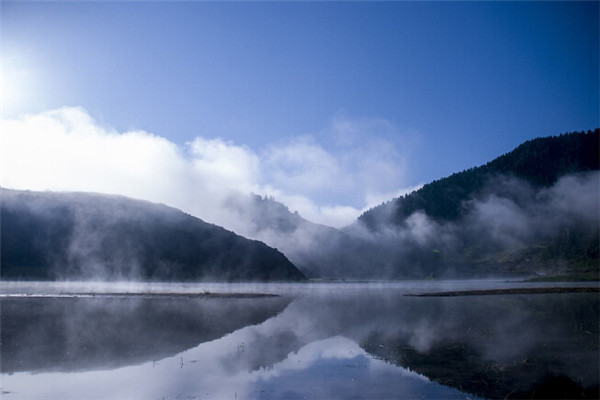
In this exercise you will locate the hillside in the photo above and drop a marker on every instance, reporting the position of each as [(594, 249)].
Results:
[(534, 210), (313, 248), (540, 162), (49, 235), (531, 211)]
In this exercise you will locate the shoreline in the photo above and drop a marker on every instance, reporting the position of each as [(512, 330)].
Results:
[(488, 292), (139, 295)]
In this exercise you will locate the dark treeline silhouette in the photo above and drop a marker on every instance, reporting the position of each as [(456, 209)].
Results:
[(49, 235), (540, 162), (533, 210)]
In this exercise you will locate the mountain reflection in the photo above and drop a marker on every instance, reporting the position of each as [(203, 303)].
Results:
[(325, 343), (71, 334), (543, 346)]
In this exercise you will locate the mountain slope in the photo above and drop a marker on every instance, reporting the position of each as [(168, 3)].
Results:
[(311, 247), (533, 210), (540, 162), (90, 236)]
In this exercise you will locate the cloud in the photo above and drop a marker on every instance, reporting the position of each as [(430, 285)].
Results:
[(301, 166), (222, 164), (67, 150), (508, 224), (518, 212), (350, 164), (373, 199), (328, 179)]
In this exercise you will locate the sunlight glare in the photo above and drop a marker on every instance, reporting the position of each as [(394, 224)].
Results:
[(14, 87)]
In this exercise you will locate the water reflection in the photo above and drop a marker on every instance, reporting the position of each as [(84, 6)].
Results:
[(67, 334), (542, 346), (370, 343)]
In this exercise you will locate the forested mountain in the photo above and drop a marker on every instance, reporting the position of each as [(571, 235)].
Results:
[(531, 211), (311, 247), (49, 235), (540, 162), (534, 210)]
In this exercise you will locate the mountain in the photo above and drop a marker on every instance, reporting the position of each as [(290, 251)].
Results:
[(48, 235), (540, 162), (313, 248), (532, 211), (516, 347)]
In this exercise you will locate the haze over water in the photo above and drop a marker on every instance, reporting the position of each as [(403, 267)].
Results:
[(321, 340)]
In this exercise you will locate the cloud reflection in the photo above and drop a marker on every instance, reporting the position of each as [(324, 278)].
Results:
[(357, 342)]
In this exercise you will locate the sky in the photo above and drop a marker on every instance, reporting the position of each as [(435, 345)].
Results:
[(329, 107)]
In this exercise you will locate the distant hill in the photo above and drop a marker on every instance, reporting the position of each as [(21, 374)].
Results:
[(311, 247), (48, 235), (540, 162), (533, 211)]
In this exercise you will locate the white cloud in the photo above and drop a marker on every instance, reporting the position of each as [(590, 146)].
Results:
[(223, 164), (350, 163), (65, 149), (376, 198), (301, 166)]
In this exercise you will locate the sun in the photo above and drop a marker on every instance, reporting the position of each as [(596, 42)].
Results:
[(15, 81)]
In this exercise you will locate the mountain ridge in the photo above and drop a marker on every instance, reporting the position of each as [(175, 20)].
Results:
[(533, 211), (65, 235), (574, 152), (451, 221)]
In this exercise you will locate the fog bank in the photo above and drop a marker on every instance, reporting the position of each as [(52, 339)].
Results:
[(328, 178)]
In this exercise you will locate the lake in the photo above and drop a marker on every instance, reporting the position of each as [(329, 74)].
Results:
[(317, 341)]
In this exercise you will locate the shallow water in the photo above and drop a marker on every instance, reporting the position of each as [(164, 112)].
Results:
[(321, 340)]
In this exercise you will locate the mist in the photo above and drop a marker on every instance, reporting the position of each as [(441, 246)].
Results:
[(109, 332), (508, 216), (384, 340), (270, 196), (329, 177), (67, 236)]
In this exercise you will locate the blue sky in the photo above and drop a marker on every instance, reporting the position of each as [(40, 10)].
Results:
[(386, 94)]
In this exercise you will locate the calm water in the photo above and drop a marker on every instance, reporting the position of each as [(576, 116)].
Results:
[(324, 341)]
